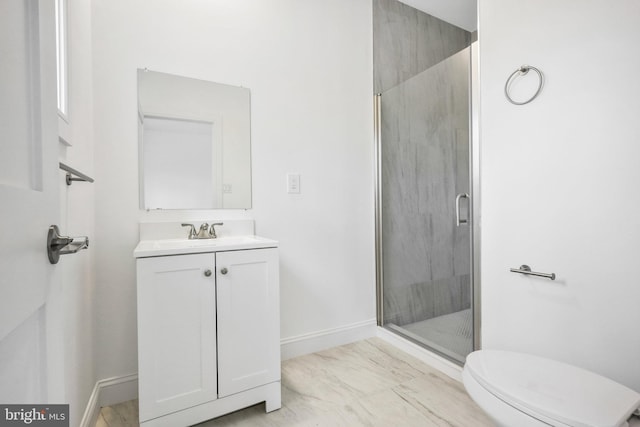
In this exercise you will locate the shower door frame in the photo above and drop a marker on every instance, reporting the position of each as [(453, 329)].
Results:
[(474, 186)]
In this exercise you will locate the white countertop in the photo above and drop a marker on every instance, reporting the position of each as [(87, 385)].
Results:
[(161, 247)]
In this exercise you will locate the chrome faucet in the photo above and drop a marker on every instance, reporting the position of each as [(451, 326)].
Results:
[(192, 231), (205, 231), (212, 231)]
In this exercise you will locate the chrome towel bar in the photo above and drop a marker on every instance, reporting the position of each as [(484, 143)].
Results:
[(525, 269), (71, 172)]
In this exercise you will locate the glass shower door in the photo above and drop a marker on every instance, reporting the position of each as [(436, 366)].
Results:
[(424, 208)]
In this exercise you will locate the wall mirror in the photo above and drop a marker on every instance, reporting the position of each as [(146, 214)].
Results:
[(194, 140)]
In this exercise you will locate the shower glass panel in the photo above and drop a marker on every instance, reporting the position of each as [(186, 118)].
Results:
[(425, 212)]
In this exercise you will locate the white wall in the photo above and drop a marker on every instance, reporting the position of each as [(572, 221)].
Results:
[(559, 178), (308, 65)]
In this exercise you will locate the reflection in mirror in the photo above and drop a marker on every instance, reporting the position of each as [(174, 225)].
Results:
[(194, 143)]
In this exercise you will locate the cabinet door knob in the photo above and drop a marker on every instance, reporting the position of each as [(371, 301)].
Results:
[(207, 272), (224, 270)]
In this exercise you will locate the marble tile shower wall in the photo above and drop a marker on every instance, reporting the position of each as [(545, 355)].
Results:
[(407, 41), (421, 66)]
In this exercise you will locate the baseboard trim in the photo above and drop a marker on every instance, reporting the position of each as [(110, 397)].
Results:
[(90, 416), (108, 392), (322, 340), (440, 363)]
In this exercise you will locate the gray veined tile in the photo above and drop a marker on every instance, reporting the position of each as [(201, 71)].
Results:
[(407, 41), (101, 422), (386, 408), (392, 356), (340, 374), (443, 402), (121, 415)]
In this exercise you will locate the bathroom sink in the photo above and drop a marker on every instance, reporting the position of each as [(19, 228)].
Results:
[(161, 247)]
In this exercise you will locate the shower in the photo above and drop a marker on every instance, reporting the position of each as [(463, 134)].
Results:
[(424, 208)]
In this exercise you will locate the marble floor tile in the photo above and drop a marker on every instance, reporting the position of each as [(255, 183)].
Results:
[(101, 422), (442, 401), (123, 414), (367, 383), (388, 408)]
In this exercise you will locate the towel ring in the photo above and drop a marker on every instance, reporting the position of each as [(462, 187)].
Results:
[(523, 70)]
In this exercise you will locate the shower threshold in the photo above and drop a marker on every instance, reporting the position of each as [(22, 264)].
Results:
[(449, 335)]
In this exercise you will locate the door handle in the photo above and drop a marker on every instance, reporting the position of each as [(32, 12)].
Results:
[(459, 220), (62, 245)]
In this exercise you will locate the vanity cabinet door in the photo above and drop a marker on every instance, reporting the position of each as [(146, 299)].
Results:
[(176, 333), (248, 319)]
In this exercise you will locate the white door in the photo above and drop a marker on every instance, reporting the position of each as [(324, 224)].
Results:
[(176, 333), (248, 319), (28, 156)]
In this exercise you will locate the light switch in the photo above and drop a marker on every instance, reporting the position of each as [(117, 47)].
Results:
[(293, 183)]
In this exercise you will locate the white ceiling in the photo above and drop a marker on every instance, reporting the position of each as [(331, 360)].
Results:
[(462, 13)]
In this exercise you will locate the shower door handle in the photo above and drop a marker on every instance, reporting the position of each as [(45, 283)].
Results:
[(459, 220)]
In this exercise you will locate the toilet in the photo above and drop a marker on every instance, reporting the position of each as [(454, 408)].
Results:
[(522, 390)]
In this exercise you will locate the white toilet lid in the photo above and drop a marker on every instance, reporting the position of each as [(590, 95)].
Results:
[(545, 388)]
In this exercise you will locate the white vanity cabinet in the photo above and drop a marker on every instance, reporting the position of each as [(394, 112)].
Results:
[(248, 319), (208, 334), (176, 333)]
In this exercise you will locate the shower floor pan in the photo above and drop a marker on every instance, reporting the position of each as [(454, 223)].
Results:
[(450, 334)]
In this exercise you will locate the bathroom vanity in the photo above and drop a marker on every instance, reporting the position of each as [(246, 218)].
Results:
[(208, 328)]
